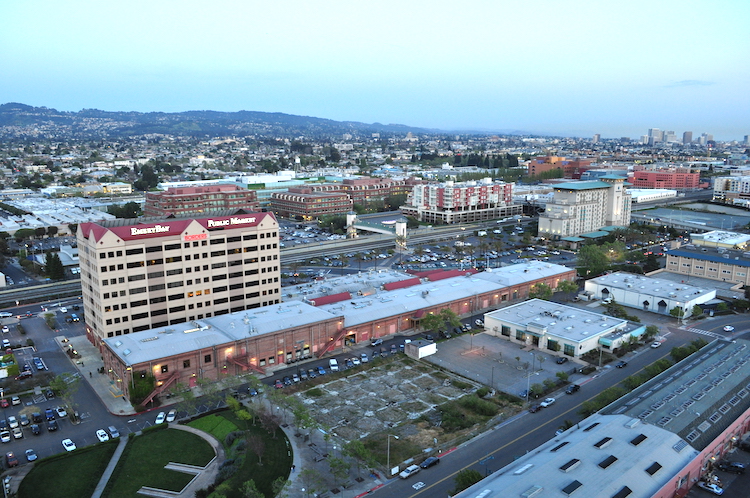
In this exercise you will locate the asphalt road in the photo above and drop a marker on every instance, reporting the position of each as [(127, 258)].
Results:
[(501, 446)]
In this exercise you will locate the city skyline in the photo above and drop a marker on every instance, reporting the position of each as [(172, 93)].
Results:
[(578, 68)]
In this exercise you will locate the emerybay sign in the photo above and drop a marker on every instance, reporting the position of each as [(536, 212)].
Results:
[(149, 230), (230, 221)]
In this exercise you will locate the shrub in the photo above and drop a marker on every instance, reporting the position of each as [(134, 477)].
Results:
[(459, 384), (315, 391), (483, 391)]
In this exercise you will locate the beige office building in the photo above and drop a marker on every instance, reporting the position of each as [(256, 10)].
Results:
[(584, 207), (138, 276)]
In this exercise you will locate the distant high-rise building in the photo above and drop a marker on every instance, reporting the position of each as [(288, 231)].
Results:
[(597, 138), (655, 135), (669, 137), (747, 140), (687, 137)]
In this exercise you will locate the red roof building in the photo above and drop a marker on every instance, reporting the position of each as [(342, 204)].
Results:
[(188, 201)]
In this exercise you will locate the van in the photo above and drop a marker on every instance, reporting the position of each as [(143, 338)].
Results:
[(333, 365), (607, 301)]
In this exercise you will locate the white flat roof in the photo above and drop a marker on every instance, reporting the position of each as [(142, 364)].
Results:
[(722, 237), (567, 322), (652, 286)]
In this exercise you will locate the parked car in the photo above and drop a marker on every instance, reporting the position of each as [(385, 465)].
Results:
[(572, 388), (68, 444), (356, 362), (5, 436), (409, 471), (31, 455), (17, 433), (4, 403), (303, 375), (534, 408), (11, 460), (287, 380), (6, 344), (655, 345), (102, 435), (364, 358), (12, 422), (333, 365), (321, 371), (61, 412), (113, 432), (734, 467), (430, 462), (36, 429), (52, 425), (711, 488), (547, 402), (5, 314), (561, 360), (621, 364), (312, 373), (24, 375), (376, 342), (160, 418)]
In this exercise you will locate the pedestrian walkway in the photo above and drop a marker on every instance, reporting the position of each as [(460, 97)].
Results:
[(110, 468), (700, 331), (91, 368)]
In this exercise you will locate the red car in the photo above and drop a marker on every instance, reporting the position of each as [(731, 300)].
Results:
[(10, 459), (278, 385), (4, 403)]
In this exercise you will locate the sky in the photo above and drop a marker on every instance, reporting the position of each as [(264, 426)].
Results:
[(556, 67)]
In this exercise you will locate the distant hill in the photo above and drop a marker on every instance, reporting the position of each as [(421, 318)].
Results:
[(19, 120)]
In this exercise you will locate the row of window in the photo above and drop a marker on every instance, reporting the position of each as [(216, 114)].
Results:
[(185, 245)]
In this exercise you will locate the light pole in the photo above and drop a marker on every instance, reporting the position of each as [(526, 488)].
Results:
[(528, 378), (389, 451)]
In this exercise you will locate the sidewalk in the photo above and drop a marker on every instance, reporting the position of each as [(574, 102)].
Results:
[(88, 366)]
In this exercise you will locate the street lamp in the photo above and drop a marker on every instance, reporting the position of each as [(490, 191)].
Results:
[(528, 378), (389, 451)]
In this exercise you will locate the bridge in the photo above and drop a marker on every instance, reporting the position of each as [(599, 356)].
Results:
[(376, 222)]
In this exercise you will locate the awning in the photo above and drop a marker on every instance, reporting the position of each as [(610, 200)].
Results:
[(419, 314)]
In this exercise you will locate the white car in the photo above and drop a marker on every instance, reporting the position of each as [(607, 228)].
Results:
[(63, 310), (365, 358), (711, 488), (409, 471), (68, 445), (102, 435), (161, 417), (655, 345), (5, 314), (728, 328), (547, 402), (5, 329), (171, 416), (61, 412), (356, 361)]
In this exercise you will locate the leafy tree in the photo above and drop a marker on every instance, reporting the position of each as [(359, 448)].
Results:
[(465, 479), (280, 486), (651, 332), (129, 210), (257, 446), (567, 287), (358, 451), (339, 468), (677, 312), (591, 260), (65, 386), (52, 231), (651, 264), (540, 291), (250, 490)]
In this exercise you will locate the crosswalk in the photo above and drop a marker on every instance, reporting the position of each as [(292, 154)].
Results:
[(700, 331)]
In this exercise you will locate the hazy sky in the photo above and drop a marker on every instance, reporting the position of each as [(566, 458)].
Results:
[(569, 67)]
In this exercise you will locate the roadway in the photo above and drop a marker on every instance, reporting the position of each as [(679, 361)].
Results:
[(513, 438)]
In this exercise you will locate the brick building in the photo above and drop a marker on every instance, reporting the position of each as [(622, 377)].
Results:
[(138, 276), (304, 203), (570, 168), (196, 201), (672, 178)]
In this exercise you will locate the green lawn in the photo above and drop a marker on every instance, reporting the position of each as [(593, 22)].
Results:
[(68, 475), (142, 463), (277, 457)]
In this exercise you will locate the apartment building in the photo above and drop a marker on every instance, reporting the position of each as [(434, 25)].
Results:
[(732, 189), (139, 276), (303, 203), (583, 207), (365, 191), (450, 202), (196, 201)]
